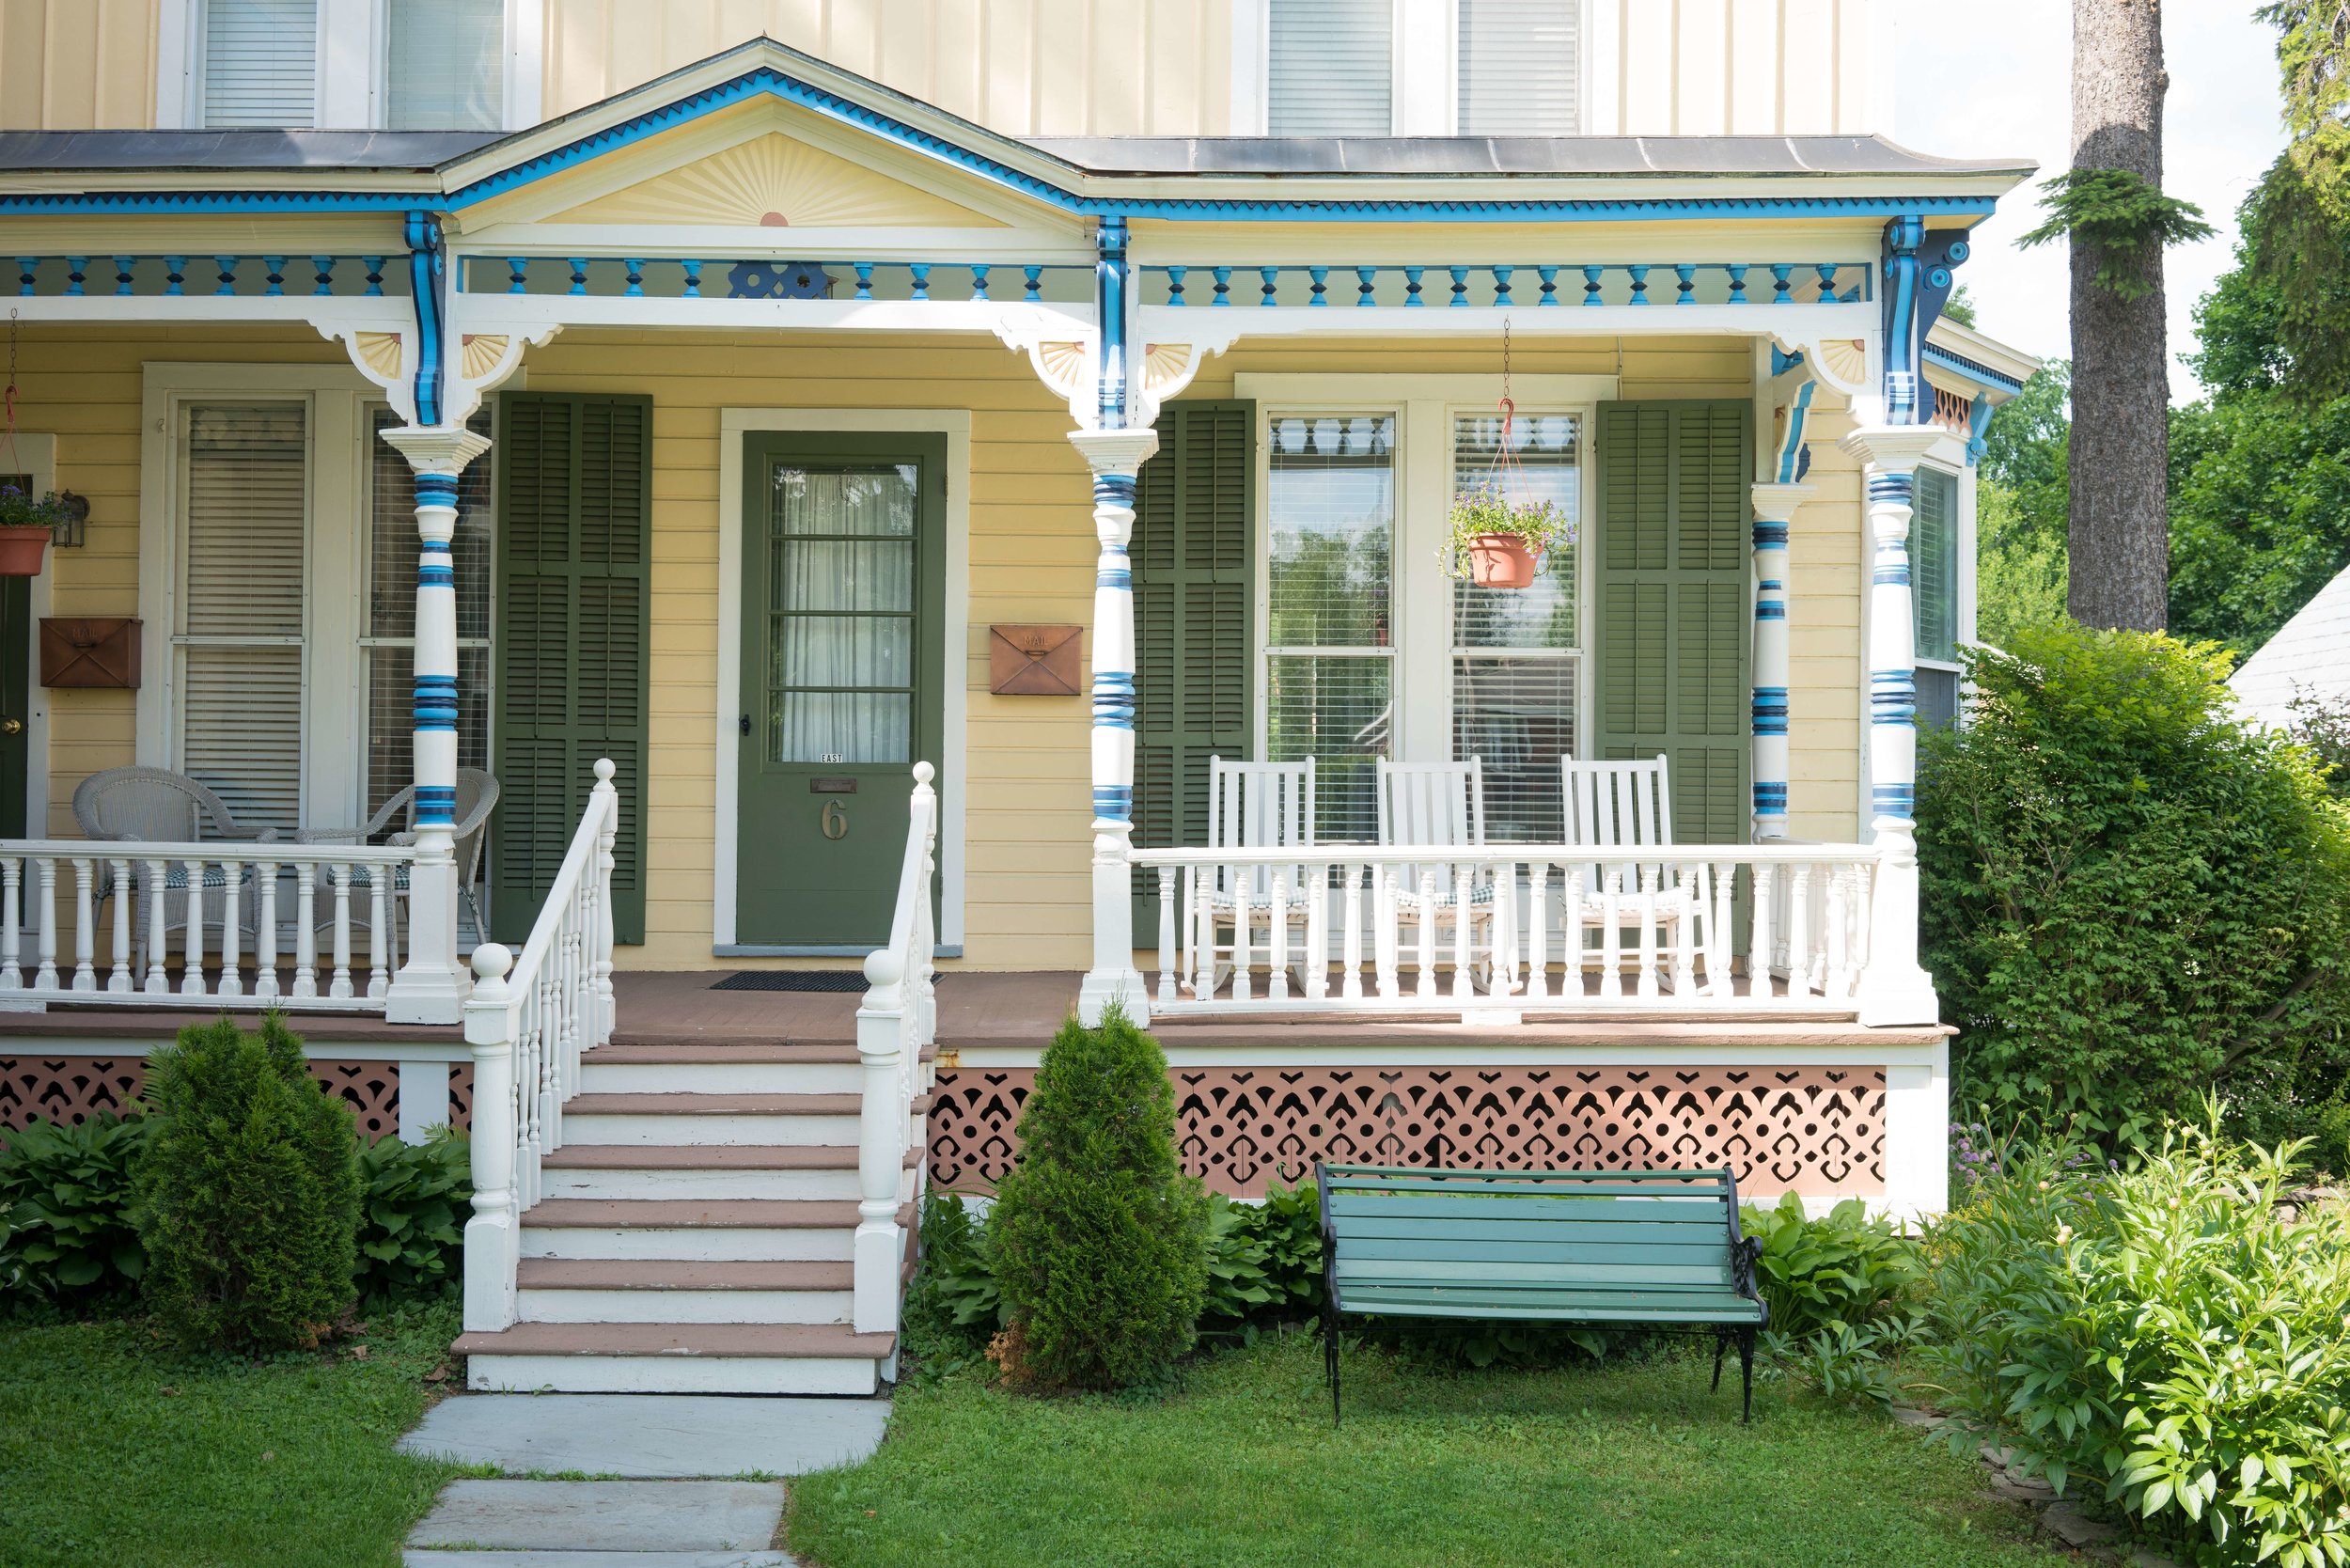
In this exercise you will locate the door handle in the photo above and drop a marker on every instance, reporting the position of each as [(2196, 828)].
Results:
[(11, 726), (747, 725)]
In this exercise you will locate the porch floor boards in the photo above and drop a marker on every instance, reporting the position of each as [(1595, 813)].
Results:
[(987, 1010)]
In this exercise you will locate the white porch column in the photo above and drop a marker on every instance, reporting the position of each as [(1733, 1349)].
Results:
[(1114, 456), (431, 986), (1774, 511), (1894, 988)]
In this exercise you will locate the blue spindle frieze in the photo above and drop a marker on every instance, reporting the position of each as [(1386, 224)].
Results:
[(1411, 286), (1827, 281), (1591, 285), (1640, 285), (1366, 285), (921, 280), (1737, 272), (24, 265), (123, 275), (1501, 285), (693, 270), (175, 274), (273, 279), (75, 273), (323, 274), (1175, 285), (1550, 284), (518, 275), (1320, 287), (1782, 285), (636, 289), (1688, 285), (1272, 276), (1223, 285), (863, 279), (375, 275), (579, 275), (1032, 284), (1460, 286), (228, 265), (979, 283)]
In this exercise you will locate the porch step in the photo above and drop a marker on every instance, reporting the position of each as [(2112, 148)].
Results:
[(650, 1290), (715, 1170), (679, 1357), (705, 1231), (715, 1118), (720, 1070)]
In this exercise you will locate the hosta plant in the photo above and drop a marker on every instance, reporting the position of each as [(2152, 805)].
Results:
[(2162, 1334), (1837, 1271), (66, 1207), (414, 1203)]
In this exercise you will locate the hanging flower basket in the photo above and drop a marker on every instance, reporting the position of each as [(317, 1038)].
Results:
[(1497, 543), (27, 526)]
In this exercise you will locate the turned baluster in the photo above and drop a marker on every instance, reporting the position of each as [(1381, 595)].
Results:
[(85, 925)]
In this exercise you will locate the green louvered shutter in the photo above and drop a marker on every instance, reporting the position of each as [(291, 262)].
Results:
[(1193, 587), (574, 567), (1670, 616)]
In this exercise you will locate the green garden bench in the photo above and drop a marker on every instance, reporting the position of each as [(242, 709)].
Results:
[(1659, 1248)]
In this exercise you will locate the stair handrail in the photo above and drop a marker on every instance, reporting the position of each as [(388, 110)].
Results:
[(895, 1021), (528, 1020)]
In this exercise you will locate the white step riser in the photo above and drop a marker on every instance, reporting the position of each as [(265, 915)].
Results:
[(710, 1245), (640, 1128), (673, 1374), (719, 1077), (711, 1185), (618, 1305)]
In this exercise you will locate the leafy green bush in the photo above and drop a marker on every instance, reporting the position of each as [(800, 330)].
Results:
[(1838, 1271), (952, 1306), (1264, 1260), (1099, 1240), (66, 1230), (2161, 1330), (414, 1203), (2128, 896), (248, 1187)]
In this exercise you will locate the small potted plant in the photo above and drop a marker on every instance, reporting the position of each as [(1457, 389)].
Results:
[(27, 526), (1497, 542)]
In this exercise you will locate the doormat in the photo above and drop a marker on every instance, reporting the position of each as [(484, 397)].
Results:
[(793, 980)]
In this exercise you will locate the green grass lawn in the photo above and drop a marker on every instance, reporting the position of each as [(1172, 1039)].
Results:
[(1618, 1467), (117, 1450)]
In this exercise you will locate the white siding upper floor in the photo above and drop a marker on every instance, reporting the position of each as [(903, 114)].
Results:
[(1026, 68)]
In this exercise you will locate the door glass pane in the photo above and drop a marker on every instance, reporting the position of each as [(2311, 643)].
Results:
[(1337, 712), (1546, 464), (840, 614), (1332, 510), (1518, 716)]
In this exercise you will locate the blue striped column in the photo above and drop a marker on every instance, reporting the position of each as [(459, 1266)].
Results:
[(431, 984), (1114, 455), (1894, 987), (1774, 512)]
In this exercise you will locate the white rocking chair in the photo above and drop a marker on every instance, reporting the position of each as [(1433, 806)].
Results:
[(1440, 805), (1629, 805), (1251, 806)]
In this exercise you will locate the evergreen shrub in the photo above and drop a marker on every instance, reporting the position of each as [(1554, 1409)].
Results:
[(249, 1191), (1099, 1239)]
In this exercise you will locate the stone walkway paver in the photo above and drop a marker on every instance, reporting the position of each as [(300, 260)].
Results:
[(656, 1517), (651, 1436)]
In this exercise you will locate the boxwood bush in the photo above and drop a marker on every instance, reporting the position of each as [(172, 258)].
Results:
[(248, 1189), (1099, 1239), (2129, 896)]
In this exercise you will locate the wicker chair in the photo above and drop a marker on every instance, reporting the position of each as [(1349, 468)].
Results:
[(476, 798), (156, 805)]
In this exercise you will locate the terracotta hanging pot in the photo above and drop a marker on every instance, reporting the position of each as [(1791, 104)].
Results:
[(1500, 561), (20, 551)]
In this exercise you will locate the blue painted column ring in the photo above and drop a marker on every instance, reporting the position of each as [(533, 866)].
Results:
[(1774, 507)]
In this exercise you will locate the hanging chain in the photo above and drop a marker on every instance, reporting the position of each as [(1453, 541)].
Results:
[(1502, 473)]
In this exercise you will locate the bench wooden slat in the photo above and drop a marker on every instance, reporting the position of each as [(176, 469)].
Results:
[(1711, 1212), (1555, 1307), (1337, 1173), (1490, 1271), (1472, 1190), (1648, 1238)]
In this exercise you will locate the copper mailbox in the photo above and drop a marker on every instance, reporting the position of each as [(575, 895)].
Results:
[(1033, 660), (89, 651)]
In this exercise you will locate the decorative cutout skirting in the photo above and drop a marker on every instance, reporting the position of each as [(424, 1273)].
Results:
[(1818, 1131), (73, 1089)]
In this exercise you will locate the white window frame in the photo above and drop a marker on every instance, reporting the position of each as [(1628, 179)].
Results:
[(1420, 645), (1426, 91), (1962, 543), (353, 49)]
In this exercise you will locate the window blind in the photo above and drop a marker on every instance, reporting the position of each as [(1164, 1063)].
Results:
[(1330, 67), (1520, 68), (241, 631), (445, 65), (260, 63), (1934, 564)]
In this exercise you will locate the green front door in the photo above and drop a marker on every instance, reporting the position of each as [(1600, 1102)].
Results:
[(843, 555), (16, 654)]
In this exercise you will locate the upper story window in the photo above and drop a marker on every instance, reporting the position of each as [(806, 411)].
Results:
[(400, 65), (442, 64), (1421, 68), (259, 64), (1519, 68), (1330, 67)]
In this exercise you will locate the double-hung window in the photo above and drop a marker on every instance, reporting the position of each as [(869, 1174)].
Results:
[(1421, 68), (1517, 653), (444, 65), (1329, 649), (1933, 548), (259, 64), (241, 636), (402, 65)]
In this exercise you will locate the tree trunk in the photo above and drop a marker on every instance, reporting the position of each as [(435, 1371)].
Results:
[(2119, 544)]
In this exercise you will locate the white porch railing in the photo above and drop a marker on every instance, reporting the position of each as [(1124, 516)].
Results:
[(897, 1021), (1548, 929), (231, 913), (528, 1020)]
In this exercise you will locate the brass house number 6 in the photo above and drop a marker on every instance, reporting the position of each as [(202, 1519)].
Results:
[(835, 820)]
